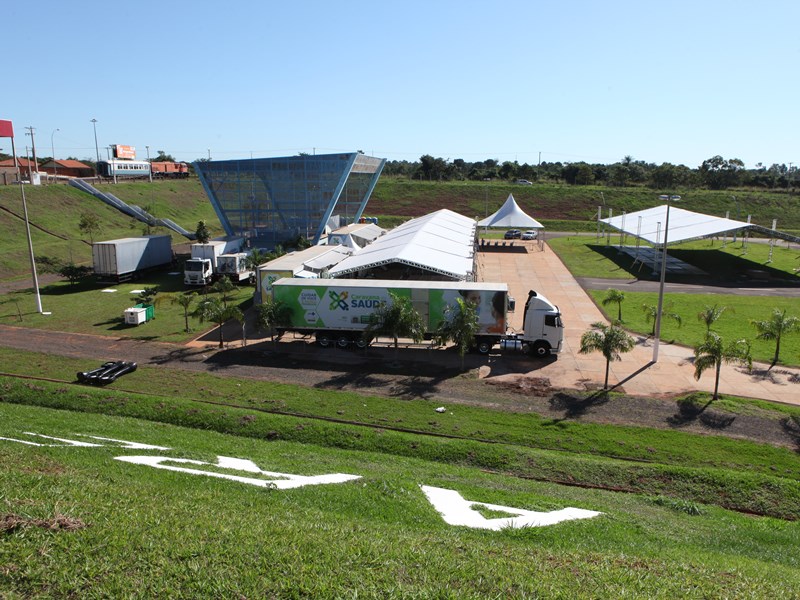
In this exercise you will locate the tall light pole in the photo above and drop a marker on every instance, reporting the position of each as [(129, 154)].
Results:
[(53, 150), (150, 172), (96, 147), (657, 336)]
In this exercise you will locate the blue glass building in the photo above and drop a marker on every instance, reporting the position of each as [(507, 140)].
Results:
[(271, 201)]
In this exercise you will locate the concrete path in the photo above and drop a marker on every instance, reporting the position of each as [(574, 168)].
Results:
[(541, 270)]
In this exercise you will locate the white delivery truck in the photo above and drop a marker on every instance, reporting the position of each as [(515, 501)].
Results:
[(234, 266), (201, 268), (337, 311)]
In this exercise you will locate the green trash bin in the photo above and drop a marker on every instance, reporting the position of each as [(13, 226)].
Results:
[(149, 311)]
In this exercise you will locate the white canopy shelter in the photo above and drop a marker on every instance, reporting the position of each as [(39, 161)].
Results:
[(510, 215), (684, 225)]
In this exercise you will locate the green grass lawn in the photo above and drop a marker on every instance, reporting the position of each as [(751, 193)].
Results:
[(80, 523), (86, 308)]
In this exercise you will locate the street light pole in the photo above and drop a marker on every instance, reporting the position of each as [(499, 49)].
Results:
[(657, 336), (150, 172), (96, 147), (53, 150)]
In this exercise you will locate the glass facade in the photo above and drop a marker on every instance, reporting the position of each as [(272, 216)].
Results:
[(271, 201)]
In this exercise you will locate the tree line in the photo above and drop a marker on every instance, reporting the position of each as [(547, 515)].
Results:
[(716, 173)]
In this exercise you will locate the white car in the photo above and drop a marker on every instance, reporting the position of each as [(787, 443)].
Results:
[(523, 182), (531, 234)]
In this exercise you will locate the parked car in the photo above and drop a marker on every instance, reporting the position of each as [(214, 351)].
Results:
[(523, 182), (531, 234), (513, 234)]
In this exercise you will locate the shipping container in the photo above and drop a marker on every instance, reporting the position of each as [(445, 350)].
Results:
[(124, 258)]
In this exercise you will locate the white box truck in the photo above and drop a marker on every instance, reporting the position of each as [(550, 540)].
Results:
[(201, 268), (337, 311)]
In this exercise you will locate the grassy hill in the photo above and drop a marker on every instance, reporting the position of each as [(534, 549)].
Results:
[(55, 211)]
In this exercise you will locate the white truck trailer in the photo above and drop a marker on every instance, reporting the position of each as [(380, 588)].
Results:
[(338, 311), (234, 266), (125, 258), (201, 268)]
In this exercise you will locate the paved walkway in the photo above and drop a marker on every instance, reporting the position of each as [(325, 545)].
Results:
[(541, 270)]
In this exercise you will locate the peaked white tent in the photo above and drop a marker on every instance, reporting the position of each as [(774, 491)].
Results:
[(684, 225), (510, 215)]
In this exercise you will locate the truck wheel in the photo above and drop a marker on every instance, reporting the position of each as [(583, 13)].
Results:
[(361, 343), (343, 341), (484, 346), (541, 349), (323, 339)]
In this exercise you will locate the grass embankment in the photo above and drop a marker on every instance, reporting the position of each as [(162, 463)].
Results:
[(79, 523)]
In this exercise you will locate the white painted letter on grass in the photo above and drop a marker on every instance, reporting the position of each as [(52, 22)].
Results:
[(281, 481), (457, 511)]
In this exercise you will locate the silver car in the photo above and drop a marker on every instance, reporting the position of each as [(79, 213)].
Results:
[(531, 234)]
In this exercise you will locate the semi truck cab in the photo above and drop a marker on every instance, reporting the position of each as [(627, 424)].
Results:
[(543, 329)]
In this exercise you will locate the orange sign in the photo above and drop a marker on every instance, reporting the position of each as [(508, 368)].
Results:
[(121, 151)]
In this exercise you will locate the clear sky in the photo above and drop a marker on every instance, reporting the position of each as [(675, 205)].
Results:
[(592, 80)]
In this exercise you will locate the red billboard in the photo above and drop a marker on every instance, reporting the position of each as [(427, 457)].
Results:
[(6, 130), (121, 151)]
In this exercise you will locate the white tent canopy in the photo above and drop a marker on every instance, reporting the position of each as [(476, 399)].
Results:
[(441, 242), (510, 215), (684, 225)]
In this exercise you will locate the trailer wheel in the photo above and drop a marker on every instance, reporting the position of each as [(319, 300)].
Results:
[(361, 343), (323, 339), (541, 349), (343, 341), (484, 346)]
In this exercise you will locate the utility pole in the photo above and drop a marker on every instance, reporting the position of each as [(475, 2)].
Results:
[(33, 145)]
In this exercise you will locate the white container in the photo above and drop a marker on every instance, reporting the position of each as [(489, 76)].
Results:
[(135, 316)]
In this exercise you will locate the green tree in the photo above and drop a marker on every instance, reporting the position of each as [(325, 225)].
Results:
[(202, 233), (212, 309), (164, 157), (710, 314), (610, 340), (68, 270), (614, 296), (185, 302), (460, 326), (89, 224), (395, 319), (147, 295), (775, 328), (271, 315), (719, 174), (224, 286), (712, 353), (651, 312)]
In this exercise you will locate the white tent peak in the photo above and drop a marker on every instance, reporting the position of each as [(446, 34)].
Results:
[(510, 215)]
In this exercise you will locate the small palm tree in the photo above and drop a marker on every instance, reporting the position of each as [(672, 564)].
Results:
[(712, 353), (185, 302), (775, 328), (459, 326), (212, 309), (395, 319), (272, 314), (224, 287), (610, 340), (651, 312), (614, 296), (710, 314)]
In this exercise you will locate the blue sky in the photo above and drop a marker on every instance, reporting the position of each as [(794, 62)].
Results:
[(574, 80)]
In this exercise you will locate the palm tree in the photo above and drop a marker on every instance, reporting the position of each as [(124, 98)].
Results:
[(272, 314), (710, 314), (610, 340), (224, 287), (651, 312), (776, 327), (255, 259), (185, 302), (614, 296), (459, 326), (212, 309), (712, 353), (397, 318)]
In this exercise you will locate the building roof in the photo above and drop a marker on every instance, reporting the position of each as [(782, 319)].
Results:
[(441, 242), (684, 225), (23, 163), (510, 215), (67, 164), (301, 258)]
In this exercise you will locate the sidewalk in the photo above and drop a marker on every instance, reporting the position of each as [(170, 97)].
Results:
[(543, 271)]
